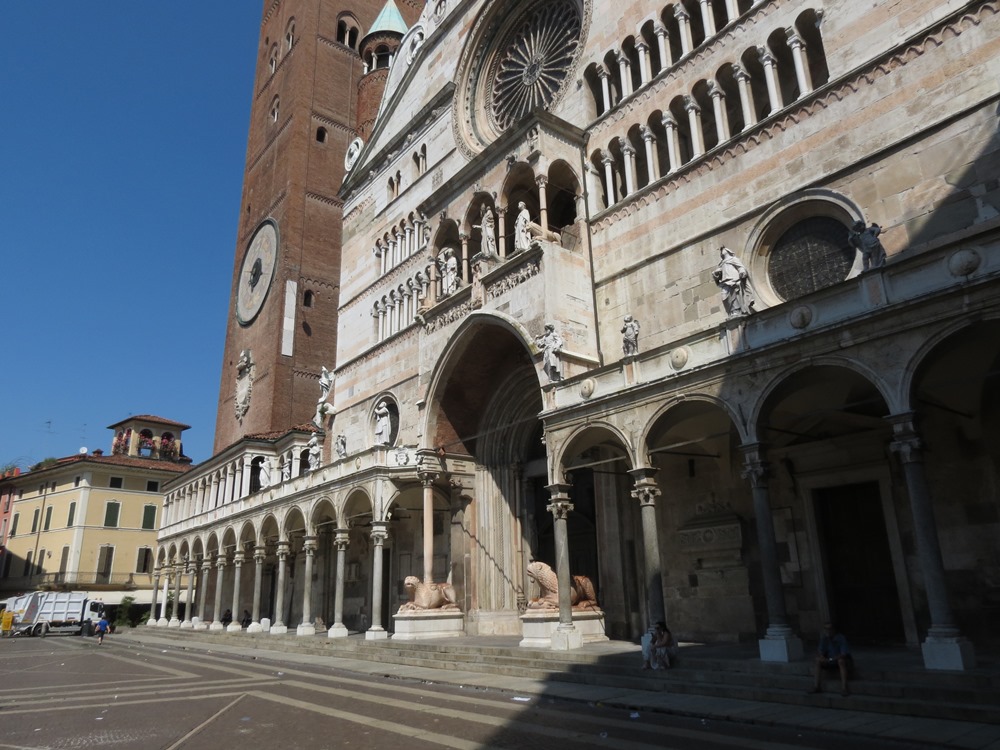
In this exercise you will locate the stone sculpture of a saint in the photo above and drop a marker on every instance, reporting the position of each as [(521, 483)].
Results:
[(448, 264), (551, 344), (382, 426), (630, 336), (865, 240), (522, 233), (733, 279), (487, 225)]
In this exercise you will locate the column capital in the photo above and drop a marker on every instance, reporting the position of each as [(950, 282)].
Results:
[(659, 29), (342, 538), (238, 557), (690, 105), (715, 91), (668, 121), (259, 553), (794, 40), (380, 532), (541, 180), (765, 56), (680, 13), (602, 72), (283, 549), (755, 466), (561, 505), (906, 442), (641, 46), (740, 74), (606, 158), (647, 134), (621, 58)]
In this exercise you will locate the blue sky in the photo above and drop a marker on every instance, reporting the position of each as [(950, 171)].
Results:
[(123, 143)]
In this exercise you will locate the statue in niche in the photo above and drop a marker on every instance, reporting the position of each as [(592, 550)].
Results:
[(340, 445), (630, 336), (314, 452), (428, 595), (522, 231), (322, 407), (487, 225), (733, 279), (448, 264), (382, 424), (551, 344), (582, 595), (286, 471), (865, 240), (244, 384)]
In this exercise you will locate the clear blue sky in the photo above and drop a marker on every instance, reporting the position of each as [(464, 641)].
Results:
[(122, 147)]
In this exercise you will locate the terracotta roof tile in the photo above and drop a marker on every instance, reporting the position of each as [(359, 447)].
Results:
[(150, 418)]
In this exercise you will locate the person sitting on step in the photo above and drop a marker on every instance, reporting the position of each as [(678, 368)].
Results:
[(833, 653)]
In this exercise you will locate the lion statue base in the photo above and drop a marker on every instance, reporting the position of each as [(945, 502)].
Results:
[(428, 596), (582, 595)]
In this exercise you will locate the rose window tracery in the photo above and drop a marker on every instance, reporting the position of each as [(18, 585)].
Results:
[(534, 61)]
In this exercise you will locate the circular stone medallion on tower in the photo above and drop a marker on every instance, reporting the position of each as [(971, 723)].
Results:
[(518, 61)]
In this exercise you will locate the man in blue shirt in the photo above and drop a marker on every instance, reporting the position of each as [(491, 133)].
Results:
[(102, 629), (833, 653)]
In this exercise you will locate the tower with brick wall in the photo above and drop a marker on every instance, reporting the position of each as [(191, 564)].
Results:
[(282, 324)]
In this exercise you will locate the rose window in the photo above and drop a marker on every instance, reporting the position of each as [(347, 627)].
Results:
[(534, 61)]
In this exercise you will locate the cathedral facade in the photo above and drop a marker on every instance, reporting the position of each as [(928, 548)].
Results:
[(695, 300)]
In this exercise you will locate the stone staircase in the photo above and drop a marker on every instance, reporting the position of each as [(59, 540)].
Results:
[(884, 681)]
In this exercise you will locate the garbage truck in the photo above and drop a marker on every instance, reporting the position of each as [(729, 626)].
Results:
[(43, 612)]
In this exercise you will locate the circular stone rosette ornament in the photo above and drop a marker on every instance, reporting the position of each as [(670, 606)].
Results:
[(518, 61)]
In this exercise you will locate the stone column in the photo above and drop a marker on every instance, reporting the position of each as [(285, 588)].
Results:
[(427, 479), (235, 626), (379, 535), (463, 237), (649, 141), (220, 567), (771, 78), (684, 23), (543, 203), (624, 73), (501, 231), (162, 622), (206, 568), (645, 69), (175, 621), (628, 157), (190, 569), (307, 626), (721, 119), (408, 230), (732, 11), (151, 621), (661, 45), (707, 18), (279, 627), (945, 647), (566, 635), (646, 493), (694, 125), (779, 643), (746, 96), (258, 578), (245, 475), (609, 178), (800, 60), (605, 77), (673, 152), (337, 630)]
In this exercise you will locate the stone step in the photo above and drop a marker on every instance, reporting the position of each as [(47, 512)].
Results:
[(958, 696)]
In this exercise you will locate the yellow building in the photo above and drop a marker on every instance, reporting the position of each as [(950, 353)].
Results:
[(89, 521)]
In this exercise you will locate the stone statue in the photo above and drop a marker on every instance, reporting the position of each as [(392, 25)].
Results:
[(428, 595), (866, 241), (733, 279), (382, 427), (448, 264), (582, 596), (286, 471), (522, 234), (551, 344), (630, 336), (487, 225), (340, 445), (314, 452), (323, 408)]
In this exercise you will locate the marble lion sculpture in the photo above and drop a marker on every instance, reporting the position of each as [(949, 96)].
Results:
[(582, 596), (428, 595)]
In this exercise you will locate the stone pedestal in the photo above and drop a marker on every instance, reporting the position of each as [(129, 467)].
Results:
[(948, 653), (174, 623), (540, 629), (162, 622), (337, 631), (434, 623), (265, 624), (784, 649), (278, 629), (217, 626), (234, 627), (151, 622), (187, 625), (376, 634), (254, 627), (199, 624), (306, 628)]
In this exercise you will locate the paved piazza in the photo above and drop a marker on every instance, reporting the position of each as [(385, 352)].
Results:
[(68, 692)]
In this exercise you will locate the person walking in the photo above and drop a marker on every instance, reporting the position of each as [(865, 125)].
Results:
[(102, 629)]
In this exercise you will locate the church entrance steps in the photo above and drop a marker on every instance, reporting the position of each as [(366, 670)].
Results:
[(888, 681)]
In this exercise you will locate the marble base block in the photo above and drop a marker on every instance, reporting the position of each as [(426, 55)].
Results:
[(376, 634), (539, 629), (306, 628), (781, 649), (433, 623), (337, 631), (951, 653)]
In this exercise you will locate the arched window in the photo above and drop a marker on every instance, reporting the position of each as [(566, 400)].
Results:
[(274, 109), (290, 34), (272, 62), (810, 255), (307, 299), (321, 135)]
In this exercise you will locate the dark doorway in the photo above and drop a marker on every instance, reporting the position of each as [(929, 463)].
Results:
[(861, 584)]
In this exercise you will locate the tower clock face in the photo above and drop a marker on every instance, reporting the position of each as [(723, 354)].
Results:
[(256, 273)]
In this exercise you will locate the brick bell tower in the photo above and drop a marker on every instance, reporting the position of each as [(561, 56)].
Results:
[(282, 326)]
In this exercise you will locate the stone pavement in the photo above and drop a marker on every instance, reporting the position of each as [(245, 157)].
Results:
[(915, 731)]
